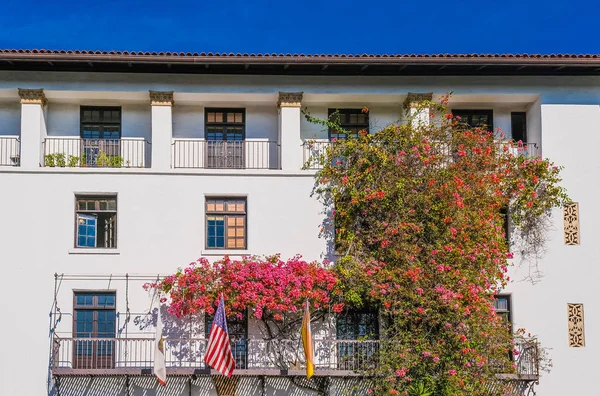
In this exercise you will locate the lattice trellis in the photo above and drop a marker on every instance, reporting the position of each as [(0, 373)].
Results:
[(576, 330), (571, 223)]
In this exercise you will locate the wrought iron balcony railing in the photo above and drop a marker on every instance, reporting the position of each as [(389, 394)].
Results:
[(78, 152), (208, 154), (10, 149), (135, 356)]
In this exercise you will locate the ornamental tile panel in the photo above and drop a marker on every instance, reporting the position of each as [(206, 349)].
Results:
[(571, 223), (576, 330)]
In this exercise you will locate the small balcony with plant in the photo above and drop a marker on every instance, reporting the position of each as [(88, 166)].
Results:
[(100, 143), (226, 141)]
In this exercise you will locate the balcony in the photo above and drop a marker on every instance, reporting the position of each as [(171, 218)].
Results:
[(135, 356), (112, 356), (95, 153), (244, 154), (313, 150), (525, 149), (10, 149)]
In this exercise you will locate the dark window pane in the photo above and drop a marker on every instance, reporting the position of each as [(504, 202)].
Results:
[(96, 222), (91, 132), (106, 300), (100, 123), (475, 118), (351, 121), (518, 123), (85, 300), (352, 325)]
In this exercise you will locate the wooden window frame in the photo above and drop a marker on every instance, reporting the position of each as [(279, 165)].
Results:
[(84, 196), (462, 113), (101, 124), (226, 214), (94, 360), (225, 124), (508, 298), (346, 112)]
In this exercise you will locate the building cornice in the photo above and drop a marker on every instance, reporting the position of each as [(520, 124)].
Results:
[(161, 98), (33, 96), (290, 99)]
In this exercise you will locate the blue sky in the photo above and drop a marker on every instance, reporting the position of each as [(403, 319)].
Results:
[(307, 26)]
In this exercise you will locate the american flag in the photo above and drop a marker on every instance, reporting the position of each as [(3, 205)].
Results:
[(218, 353)]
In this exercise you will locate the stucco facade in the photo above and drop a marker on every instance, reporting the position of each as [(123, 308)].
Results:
[(161, 216)]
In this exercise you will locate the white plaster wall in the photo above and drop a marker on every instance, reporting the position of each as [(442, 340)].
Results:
[(553, 89), (534, 124), (188, 121), (261, 121), (10, 118), (571, 134), (63, 119)]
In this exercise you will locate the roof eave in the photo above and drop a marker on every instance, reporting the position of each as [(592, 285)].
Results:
[(299, 60)]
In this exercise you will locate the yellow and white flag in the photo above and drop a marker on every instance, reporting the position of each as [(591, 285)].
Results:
[(160, 369), (307, 342)]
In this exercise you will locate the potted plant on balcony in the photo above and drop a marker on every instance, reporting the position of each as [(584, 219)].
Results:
[(115, 161), (49, 160), (102, 159), (60, 160), (73, 161)]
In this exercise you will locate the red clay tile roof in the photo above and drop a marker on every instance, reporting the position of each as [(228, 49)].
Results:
[(288, 63), (296, 55)]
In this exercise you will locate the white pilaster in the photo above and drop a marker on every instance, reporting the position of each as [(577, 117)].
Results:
[(162, 129), (289, 104), (415, 111), (33, 126)]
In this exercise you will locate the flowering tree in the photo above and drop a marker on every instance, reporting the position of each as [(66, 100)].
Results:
[(418, 221), (274, 291)]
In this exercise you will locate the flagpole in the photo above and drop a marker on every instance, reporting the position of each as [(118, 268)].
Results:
[(307, 342), (160, 368)]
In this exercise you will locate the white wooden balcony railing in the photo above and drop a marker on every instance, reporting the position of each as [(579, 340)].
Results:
[(78, 152), (120, 356), (245, 154), (10, 150)]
